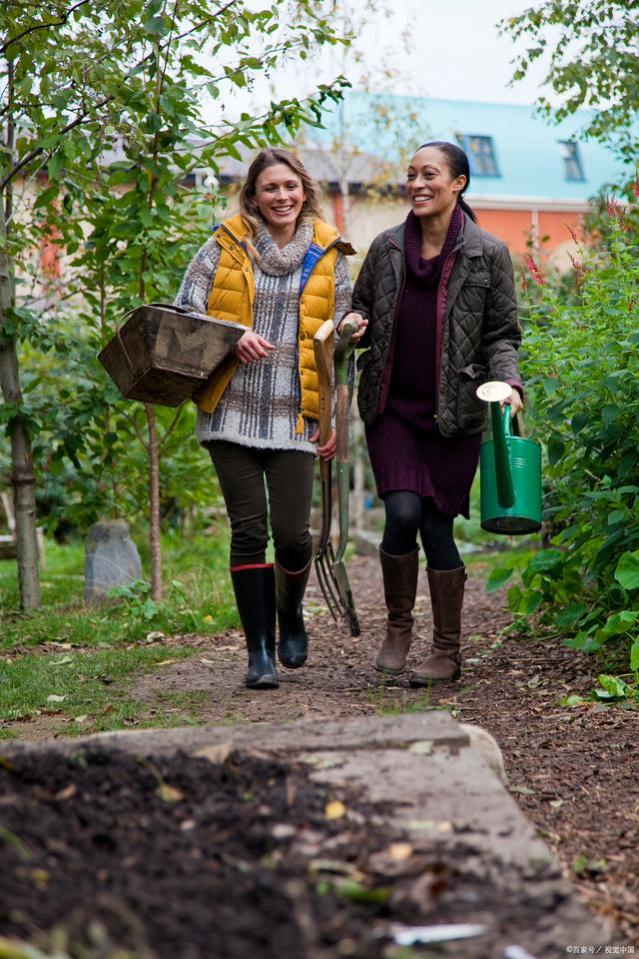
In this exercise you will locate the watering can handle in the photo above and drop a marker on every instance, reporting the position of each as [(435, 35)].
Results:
[(501, 423)]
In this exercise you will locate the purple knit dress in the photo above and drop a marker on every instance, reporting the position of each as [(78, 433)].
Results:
[(407, 451)]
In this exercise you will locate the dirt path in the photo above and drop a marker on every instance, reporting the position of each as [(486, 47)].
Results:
[(575, 772)]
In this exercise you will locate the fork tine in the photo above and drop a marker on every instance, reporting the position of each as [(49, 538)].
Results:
[(326, 585)]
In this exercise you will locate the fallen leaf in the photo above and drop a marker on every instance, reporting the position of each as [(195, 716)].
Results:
[(335, 809), (169, 793), (422, 748), (337, 867), (356, 892), (282, 830), (400, 851), (215, 754), (40, 877), (55, 699), (67, 793)]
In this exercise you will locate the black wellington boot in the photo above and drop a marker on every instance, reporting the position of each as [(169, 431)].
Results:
[(255, 597), (289, 590)]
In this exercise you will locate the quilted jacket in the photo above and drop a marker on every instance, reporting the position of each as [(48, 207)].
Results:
[(477, 329)]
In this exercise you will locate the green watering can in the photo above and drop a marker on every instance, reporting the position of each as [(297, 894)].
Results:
[(510, 472)]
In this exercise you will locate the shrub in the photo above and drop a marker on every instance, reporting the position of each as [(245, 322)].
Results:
[(581, 363)]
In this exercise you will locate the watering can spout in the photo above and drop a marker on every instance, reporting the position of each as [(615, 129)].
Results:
[(503, 469)]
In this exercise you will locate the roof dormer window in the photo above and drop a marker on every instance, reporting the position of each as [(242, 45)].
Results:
[(569, 152), (481, 154)]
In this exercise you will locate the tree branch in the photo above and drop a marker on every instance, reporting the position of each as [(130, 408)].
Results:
[(82, 118), (133, 421), (42, 26), (169, 429)]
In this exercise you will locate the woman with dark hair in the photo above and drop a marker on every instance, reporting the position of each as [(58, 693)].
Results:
[(279, 269), (437, 314)]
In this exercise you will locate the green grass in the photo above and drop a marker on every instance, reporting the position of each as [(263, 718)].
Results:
[(197, 598), (93, 684), (99, 651)]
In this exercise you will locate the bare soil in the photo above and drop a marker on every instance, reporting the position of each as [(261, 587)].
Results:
[(574, 771)]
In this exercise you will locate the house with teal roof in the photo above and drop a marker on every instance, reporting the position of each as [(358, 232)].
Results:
[(531, 180)]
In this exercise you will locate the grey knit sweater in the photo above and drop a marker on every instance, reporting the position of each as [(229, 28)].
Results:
[(260, 405)]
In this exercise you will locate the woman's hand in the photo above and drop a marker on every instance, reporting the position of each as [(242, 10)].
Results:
[(327, 451), (252, 347), (362, 325), (514, 401)]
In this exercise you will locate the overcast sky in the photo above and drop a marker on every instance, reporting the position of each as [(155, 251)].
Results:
[(452, 49), (447, 49)]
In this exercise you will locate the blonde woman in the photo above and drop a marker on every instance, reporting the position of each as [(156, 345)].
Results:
[(279, 269)]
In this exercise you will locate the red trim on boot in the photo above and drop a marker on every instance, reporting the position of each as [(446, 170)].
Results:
[(238, 569)]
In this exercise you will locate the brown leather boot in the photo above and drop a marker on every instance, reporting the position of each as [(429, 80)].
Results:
[(400, 588), (446, 597)]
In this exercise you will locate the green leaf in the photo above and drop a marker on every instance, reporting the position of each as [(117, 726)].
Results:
[(584, 641), (46, 197), (634, 656), (613, 687), (498, 577), (571, 615), (580, 420), (573, 700), (153, 122), (546, 560), (627, 571), (619, 623), (556, 450)]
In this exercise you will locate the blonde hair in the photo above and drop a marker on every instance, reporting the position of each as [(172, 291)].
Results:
[(311, 209)]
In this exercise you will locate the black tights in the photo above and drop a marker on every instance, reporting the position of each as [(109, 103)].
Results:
[(407, 514)]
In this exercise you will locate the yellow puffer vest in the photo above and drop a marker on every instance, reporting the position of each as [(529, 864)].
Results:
[(232, 296)]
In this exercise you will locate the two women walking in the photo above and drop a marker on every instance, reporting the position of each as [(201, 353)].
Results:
[(436, 313)]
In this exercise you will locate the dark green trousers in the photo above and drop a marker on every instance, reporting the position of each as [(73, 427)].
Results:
[(256, 484)]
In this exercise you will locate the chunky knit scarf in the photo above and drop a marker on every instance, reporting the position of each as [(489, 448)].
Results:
[(278, 262)]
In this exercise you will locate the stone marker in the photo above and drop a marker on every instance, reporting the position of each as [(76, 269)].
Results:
[(111, 559)]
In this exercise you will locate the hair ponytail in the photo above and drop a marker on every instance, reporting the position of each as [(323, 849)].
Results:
[(459, 166), (468, 210)]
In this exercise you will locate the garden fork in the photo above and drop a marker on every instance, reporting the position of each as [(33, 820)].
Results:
[(323, 349), (331, 571)]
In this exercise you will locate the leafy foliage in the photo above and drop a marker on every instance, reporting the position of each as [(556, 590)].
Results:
[(590, 49), (582, 364), (106, 100)]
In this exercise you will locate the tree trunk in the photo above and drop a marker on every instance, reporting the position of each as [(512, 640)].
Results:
[(22, 475), (154, 502)]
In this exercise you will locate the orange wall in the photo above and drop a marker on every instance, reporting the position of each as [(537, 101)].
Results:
[(511, 226), (514, 227), (555, 227)]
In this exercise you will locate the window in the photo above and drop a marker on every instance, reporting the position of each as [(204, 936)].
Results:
[(572, 163), (481, 154)]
